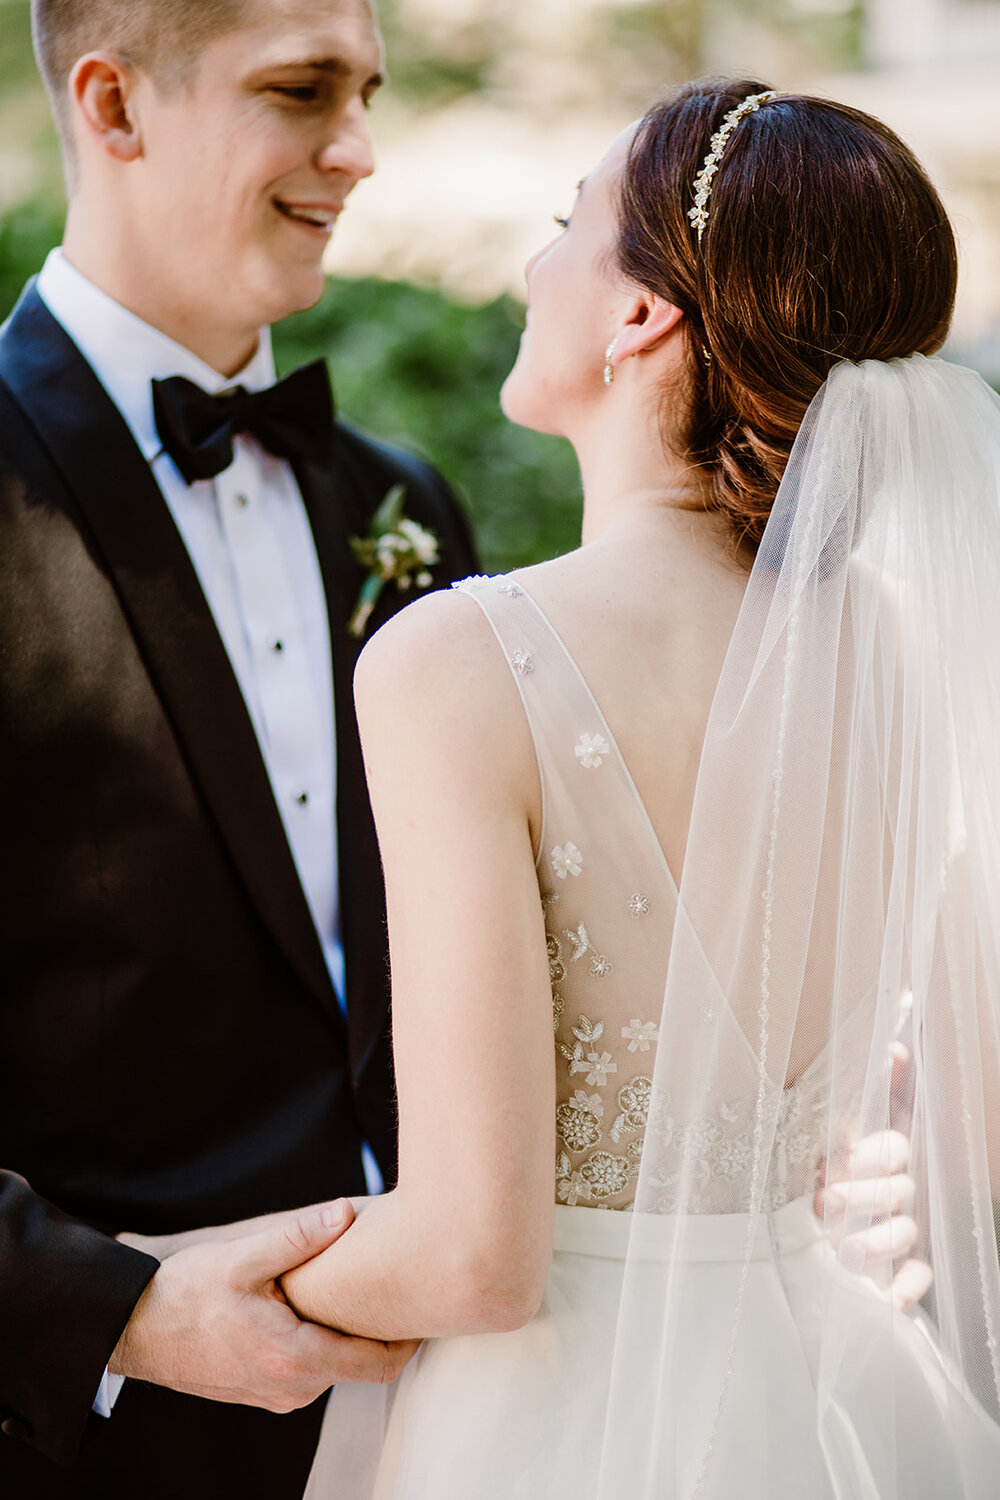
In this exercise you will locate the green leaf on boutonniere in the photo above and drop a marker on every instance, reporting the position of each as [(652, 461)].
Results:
[(395, 550)]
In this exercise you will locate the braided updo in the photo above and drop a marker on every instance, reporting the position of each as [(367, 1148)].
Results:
[(825, 241)]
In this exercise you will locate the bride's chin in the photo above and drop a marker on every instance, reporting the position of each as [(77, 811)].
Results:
[(520, 406)]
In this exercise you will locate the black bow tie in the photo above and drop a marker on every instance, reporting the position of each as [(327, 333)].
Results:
[(293, 419)]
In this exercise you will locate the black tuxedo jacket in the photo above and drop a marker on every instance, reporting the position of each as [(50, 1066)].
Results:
[(172, 1053)]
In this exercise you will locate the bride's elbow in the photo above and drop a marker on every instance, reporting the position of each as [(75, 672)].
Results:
[(500, 1297), (495, 1278)]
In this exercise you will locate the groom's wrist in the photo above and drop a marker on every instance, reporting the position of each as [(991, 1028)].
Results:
[(130, 1356)]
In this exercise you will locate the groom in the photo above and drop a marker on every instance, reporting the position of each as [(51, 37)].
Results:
[(194, 1005)]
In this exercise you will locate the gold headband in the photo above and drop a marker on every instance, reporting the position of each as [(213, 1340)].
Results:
[(703, 182)]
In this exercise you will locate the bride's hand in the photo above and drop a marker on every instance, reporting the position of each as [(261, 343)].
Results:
[(865, 1206), (162, 1246)]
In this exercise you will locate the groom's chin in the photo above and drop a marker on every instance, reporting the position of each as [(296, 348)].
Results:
[(298, 294)]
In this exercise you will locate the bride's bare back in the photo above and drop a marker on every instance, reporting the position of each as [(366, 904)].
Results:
[(647, 612)]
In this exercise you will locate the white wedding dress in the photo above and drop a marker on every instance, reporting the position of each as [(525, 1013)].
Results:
[(524, 1415)]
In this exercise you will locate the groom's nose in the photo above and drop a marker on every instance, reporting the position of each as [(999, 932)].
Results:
[(349, 150)]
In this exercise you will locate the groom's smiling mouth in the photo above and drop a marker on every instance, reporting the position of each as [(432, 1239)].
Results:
[(319, 216)]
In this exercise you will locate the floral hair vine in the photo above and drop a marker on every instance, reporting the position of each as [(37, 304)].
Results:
[(703, 182)]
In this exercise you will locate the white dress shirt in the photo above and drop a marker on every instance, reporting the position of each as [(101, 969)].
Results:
[(248, 536), (249, 539)]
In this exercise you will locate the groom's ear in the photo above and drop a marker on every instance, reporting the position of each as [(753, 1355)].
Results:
[(649, 321), (101, 86)]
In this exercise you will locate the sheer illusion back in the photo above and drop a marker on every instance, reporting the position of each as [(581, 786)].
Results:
[(610, 903)]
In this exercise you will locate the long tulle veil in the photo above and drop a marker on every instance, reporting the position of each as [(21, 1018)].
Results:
[(841, 882)]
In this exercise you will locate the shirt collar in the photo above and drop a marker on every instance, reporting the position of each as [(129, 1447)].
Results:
[(126, 354)]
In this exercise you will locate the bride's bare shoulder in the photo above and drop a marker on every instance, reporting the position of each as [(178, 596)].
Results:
[(437, 663), (432, 638)]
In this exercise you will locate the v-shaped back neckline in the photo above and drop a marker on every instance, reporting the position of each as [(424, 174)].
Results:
[(606, 729)]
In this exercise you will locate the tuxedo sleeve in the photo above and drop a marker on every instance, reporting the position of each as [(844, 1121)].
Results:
[(66, 1293)]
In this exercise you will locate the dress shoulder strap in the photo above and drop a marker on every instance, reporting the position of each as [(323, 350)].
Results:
[(585, 781)]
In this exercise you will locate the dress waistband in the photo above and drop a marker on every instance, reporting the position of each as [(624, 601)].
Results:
[(688, 1237)]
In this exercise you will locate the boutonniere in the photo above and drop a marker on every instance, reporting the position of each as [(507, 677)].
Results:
[(395, 550)]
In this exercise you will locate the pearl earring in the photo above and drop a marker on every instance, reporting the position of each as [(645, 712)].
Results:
[(609, 369)]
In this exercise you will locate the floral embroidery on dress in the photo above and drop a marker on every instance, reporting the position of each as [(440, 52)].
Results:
[(566, 860), (633, 1101), (579, 1120), (607, 1174), (512, 590), (640, 1035), (600, 964), (557, 969), (597, 1068), (639, 906), (596, 1065), (580, 941), (720, 1150), (558, 1006), (523, 663), (571, 1185), (591, 750)]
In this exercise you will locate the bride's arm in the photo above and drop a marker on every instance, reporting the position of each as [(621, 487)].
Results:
[(464, 1241)]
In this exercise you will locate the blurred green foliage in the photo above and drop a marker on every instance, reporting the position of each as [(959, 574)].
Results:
[(17, 66), (412, 367), (26, 236)]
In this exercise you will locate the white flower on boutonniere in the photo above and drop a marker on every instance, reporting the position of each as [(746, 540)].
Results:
[(395, 550)]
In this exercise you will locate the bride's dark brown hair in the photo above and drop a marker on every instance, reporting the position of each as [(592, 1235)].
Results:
[(825, 241)]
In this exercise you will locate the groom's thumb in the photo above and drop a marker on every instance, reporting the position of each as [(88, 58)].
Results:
[(282, 1247)]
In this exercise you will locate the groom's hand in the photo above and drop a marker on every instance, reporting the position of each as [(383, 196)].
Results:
[(214, 1323)]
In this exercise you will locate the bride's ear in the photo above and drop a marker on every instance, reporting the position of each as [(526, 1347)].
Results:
[(649, 321)]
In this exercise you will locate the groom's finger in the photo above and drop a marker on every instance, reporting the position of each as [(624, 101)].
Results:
[(266, 1256)]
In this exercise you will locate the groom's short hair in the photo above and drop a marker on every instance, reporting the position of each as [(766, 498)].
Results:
[(163, 37)]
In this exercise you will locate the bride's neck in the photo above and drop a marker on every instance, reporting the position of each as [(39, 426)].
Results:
[(626, 471)]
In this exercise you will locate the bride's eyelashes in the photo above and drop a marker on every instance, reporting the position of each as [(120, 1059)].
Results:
[(563, 223)]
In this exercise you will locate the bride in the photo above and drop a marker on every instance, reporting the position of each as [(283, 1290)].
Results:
[(715, 800), (680, 832)]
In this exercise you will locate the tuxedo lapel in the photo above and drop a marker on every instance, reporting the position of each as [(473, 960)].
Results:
[(92, 447), (337, 511)]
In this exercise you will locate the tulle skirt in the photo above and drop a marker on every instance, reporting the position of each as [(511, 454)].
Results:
[(522, 1416)]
